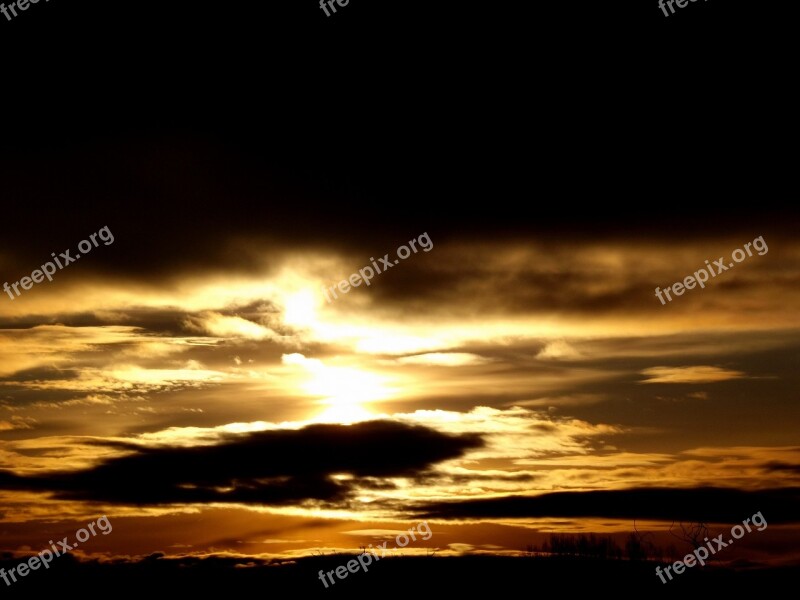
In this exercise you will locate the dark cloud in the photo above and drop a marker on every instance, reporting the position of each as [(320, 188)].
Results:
[(707, 504), (163, 321), (270, 467), (778, 466), (199, 202), (468, 478), (44, 373)]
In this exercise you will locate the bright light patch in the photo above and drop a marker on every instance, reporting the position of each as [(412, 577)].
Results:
[(343, 389)]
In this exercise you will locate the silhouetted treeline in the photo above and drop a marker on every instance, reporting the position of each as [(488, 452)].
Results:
[(637, 547)]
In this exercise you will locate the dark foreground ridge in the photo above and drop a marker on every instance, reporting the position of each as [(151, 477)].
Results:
[(420, 576)]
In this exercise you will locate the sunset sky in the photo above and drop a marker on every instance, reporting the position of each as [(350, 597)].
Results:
[(528, 187), (189, 380)]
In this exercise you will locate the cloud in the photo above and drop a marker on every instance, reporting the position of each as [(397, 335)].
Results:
[(443, 359), (782, 466), (17, 423), (558, 349), (376, 533), (218, 325), (695, 374), (277, 467), (708, 504)]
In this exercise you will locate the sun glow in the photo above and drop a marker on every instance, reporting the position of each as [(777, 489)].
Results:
[(344, 390), (300, 309)]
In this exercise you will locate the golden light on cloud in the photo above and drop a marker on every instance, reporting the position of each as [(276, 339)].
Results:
[(192, 372), (695, 374), (16, 422), (219, 325), (443, 359), (558, 349)]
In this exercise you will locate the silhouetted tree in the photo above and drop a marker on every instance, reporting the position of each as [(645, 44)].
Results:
[(644, 547), (590, 546), (634, 548), (690, 533)]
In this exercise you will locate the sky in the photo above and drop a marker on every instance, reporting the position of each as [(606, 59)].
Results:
[(193, 377), (278, 284)]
